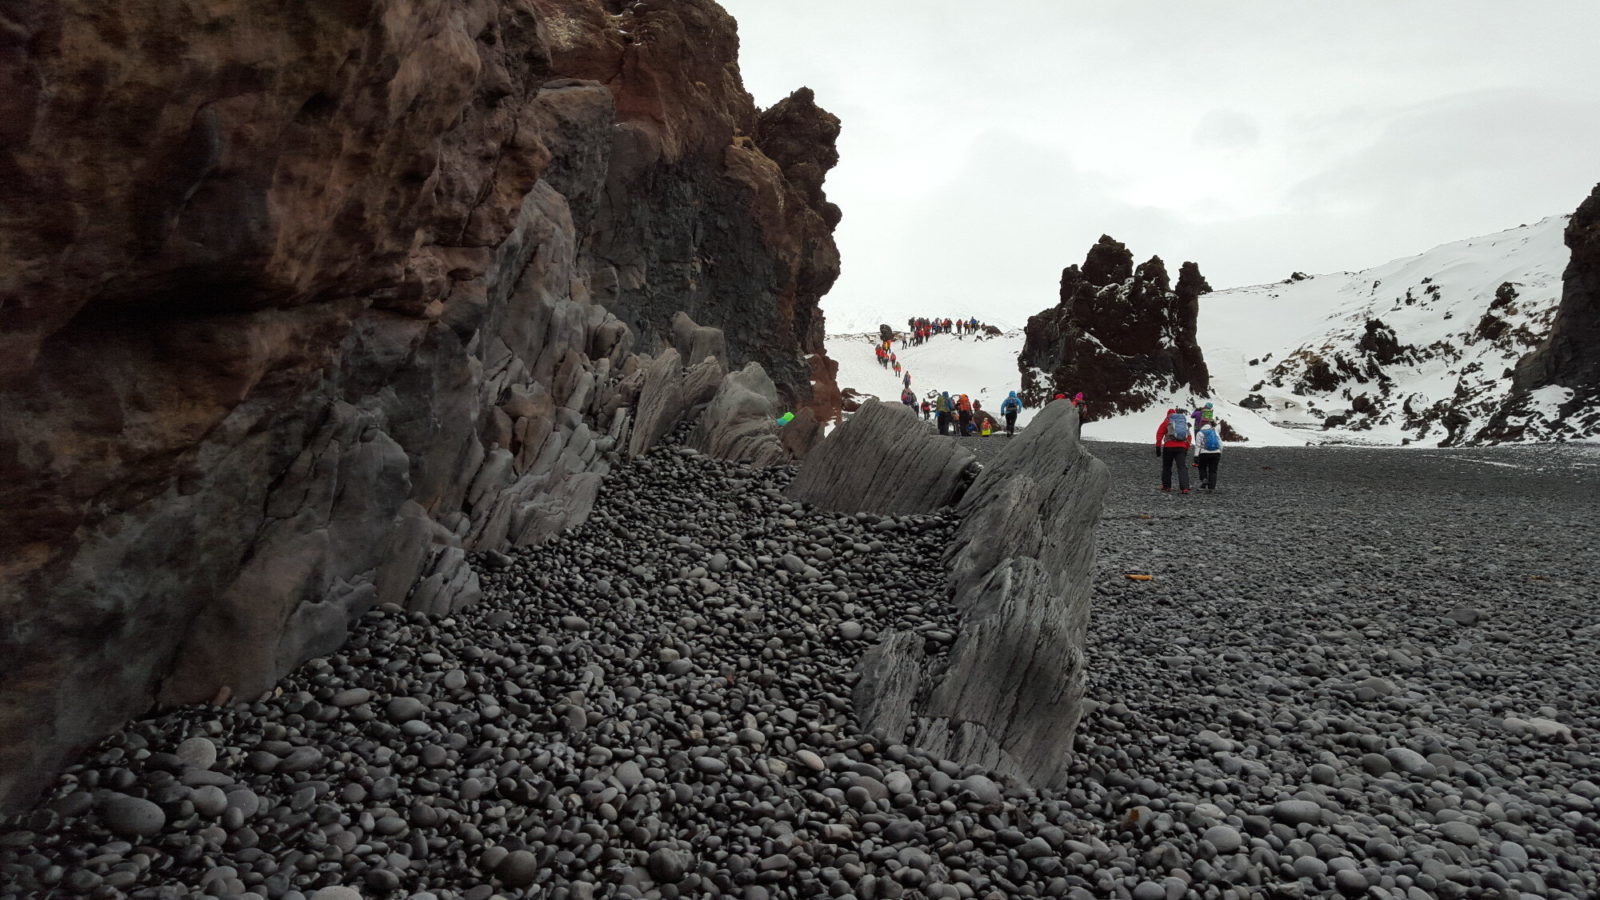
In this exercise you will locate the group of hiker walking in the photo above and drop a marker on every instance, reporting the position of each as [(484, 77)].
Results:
[(920, 329), (962, 416), (1179, 433)]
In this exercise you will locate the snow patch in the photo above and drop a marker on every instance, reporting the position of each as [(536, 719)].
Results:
[(982, 367)]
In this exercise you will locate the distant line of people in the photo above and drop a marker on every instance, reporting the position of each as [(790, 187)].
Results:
[(920, 329)]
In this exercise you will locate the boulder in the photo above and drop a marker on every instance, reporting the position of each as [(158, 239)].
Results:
[(739, 424), (883, 460), (668, 395), (801, 434), (1010, 694), (696, 342)]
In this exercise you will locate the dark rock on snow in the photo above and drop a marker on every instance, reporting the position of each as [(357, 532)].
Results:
[(1568, 358), (1121, 335)]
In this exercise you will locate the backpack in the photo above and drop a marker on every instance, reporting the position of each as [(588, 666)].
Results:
[(1208, 414), (1210, 441), (1177, 427), (1011, 405)]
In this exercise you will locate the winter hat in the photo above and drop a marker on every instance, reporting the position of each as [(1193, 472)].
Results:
[(1208, 406)]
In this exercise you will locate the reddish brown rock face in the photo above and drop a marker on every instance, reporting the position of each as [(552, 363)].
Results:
[(300, 301), (1121, 334), (712, 207)]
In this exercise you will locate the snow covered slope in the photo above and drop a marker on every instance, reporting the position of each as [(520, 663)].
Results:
[(983, 368), (1419, 350)]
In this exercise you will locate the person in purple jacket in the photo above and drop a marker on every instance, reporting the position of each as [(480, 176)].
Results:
[(1202, 415)]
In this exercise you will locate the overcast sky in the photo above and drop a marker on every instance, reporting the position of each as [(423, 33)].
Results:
[(988, 145)]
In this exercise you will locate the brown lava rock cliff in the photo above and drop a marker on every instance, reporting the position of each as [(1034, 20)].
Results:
[(299, 303)]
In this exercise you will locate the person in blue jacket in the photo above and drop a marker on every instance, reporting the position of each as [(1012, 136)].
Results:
[(1009, 407)]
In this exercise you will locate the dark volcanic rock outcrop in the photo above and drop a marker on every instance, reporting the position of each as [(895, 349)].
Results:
[(301, 303), (1565, 369), (1121, 335), (1009, 694), (882, 459), (698, 214)]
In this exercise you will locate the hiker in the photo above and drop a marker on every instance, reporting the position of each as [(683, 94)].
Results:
[(1208, 453), (1202, 415), (1172, 445), (1009, 408), (908, 379), (964, 413), (909, 399), (941, 412), (986, 430), (897, 367), (927, 410)]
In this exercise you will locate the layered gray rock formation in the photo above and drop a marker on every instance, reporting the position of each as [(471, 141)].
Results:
[(667, 394), (883, 459), (1009, 694), (739, 424)]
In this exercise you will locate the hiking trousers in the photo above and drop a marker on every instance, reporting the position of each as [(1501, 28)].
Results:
[(944, 422), (965, 419), (1208, 469), (1011, 423), (1170, 457)]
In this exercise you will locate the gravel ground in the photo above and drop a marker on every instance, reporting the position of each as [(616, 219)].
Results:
[(1367, 672), (1396, 646)]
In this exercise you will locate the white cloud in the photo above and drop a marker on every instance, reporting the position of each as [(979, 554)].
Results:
[(986, 147), (1227, 130)]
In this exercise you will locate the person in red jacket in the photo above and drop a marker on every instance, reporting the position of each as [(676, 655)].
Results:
[(1172, 445)]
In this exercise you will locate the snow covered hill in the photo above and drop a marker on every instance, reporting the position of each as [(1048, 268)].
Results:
[(984, 368), (1419, 350)]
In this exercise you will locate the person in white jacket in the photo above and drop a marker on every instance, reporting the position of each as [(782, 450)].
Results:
[(1207, 453)]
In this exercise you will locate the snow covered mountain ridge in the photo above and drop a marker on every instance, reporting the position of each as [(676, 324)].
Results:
[(1487, 340), (1418, 350)]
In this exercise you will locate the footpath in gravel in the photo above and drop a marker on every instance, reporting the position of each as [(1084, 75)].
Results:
[(1360, 672)]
